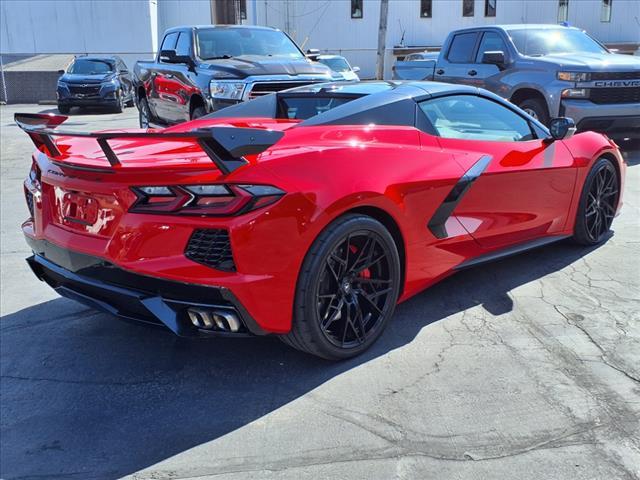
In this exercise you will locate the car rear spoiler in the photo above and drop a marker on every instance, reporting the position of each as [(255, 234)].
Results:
[(225, 146)]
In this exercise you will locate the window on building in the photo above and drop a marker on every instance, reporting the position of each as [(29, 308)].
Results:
[(563, 10), (242, 7), (467, 8), (462, 45), (356, 8), (490, 8), (605, 13), (426, 8)]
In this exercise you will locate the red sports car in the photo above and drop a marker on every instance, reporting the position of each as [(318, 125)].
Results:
[(308, 213)]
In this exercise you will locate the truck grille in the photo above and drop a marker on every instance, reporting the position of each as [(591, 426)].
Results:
[(615, 75), (84, 90), (265, 88), (211, 247), (615, 95)]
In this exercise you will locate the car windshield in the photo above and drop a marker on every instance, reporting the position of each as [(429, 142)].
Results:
[(215, 43), (536, 43), (90, 67), (337, 64)]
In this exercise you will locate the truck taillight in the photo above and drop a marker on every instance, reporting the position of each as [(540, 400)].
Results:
[(204, 200)]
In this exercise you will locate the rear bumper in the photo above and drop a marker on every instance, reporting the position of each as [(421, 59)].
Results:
[(103, 286)]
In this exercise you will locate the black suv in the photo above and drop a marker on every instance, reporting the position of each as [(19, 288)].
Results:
[(95, 82)]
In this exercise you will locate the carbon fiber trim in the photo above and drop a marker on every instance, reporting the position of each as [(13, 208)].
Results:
[(444, 211)]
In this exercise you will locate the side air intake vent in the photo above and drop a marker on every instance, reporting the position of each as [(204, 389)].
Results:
[(211, 247)]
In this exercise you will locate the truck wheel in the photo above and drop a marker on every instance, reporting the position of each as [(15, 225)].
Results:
[(144, 114), (536, 108), (64, 109), (198, 112)]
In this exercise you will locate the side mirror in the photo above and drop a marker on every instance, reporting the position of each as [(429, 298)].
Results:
[(494, 58), (562, 128), (61, 72), (313, 53), (170, 56), (356, 69)]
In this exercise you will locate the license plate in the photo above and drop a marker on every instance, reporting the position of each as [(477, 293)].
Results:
[(81, 209)]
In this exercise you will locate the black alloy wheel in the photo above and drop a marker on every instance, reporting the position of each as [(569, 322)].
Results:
[(354, 289), (598, 203), (347, 289)]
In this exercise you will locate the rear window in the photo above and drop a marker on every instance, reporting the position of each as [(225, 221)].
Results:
[(461, 50), (302, 108)]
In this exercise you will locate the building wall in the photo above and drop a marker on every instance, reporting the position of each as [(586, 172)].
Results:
[(132, 27), (172, 13), (328, 24), (88, 26)]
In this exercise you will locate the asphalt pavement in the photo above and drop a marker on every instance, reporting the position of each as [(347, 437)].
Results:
[(528, 368)]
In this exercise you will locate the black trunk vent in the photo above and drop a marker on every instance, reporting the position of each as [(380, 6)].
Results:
[(211, 247)]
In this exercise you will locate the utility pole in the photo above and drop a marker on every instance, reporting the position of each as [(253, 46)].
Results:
[(382, 38)]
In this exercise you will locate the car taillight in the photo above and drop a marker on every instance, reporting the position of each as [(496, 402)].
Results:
[(204, 200), (35, 175)]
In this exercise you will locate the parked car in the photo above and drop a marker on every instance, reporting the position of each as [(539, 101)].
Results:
[(95, 82), (309, 213), (199, 70), (547, 70), (341, 69)]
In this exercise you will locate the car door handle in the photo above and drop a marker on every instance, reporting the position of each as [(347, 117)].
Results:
[(440, 71), (473, 73)]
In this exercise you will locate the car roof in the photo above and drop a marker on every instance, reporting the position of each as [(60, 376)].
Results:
[(406, 88), (221, 27), (518, 26), (390, 103), (102, 59)]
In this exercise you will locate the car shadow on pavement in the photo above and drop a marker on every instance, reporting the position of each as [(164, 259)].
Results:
[(85, 395)]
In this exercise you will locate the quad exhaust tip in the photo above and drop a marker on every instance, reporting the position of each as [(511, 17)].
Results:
[(220, 320)]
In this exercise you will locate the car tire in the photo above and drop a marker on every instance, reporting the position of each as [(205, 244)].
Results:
[(343, 301), (598, 203), (536, 108), (144, 114), (198, 112), (119, 108), (64, 109)]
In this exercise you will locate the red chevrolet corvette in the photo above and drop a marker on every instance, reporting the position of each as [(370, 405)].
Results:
[(308, 213)]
